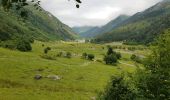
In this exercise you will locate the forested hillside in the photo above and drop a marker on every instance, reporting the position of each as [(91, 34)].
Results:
[(142, 27), (40, 25)]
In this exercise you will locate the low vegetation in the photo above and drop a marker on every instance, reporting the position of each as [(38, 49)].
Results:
[(148, 83), (62, 78)]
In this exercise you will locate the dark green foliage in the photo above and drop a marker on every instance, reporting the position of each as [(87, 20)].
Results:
[(60, 54), (90, 56), (47, 49), (156, 84), (117, 90), (68, 55), (84, 55), (118, 55), (136, 58), (133, 57), (110, 59), (10, 44), (24, 45), (110, 51)]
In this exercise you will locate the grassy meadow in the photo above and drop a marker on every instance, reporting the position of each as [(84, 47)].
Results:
[(81, 79)]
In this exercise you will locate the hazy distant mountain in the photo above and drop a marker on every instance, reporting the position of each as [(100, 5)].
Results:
[(40, 25), (142, 27), (81, 29), (90, 32)]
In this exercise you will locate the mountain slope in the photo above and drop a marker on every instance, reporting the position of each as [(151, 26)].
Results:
[(81, 29), (40, 25), (92, 32), (142, 27)]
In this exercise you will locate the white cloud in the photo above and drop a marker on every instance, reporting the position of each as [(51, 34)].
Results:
[(94, 12)]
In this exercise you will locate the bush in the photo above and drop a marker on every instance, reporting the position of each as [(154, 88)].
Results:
[(118, 55), (68, 55), (110, 59), (10, 44), (84, 55), (60, 54), (31, 40), (24, 46), (90, 56), (117, 89), (46, 50), (136, 58), (49, 57), (110, 51), (133, 57)]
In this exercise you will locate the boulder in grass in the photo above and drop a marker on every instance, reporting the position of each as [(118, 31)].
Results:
[(93, 98), (54, 77), (37, 77)]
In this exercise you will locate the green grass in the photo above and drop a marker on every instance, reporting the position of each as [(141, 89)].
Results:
[(81, 79)]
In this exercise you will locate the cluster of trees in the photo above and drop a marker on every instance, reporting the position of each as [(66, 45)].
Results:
[(53, 57), (150, 83), (20, 44), (111, 57), (88, 56)]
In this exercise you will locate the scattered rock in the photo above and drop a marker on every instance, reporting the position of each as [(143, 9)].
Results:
[(54, 77), (93, 98), (38, 77)]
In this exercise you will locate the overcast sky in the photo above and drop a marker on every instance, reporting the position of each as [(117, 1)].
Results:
[(94, 12)]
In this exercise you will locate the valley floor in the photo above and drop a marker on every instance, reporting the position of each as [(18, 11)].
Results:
[(80, 79)]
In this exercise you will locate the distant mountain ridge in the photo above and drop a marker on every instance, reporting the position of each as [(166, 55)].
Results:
[(94, 31), (142, 27)]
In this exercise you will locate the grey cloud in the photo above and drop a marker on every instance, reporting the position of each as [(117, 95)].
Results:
[(94, 12)]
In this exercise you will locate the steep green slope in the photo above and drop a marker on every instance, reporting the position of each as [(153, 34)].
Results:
[(92, 32), (40, 25), (143, 27)]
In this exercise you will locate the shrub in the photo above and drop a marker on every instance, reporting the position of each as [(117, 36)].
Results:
[(90, 56), (68, 55), (31, 40), (133, 57), (49, 57), (136, 58), (110, 59), (117, 89), (118, 55), (24, 45), (10, 44), (110, 51), (84, 55), (60, 54), (46, 50)]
